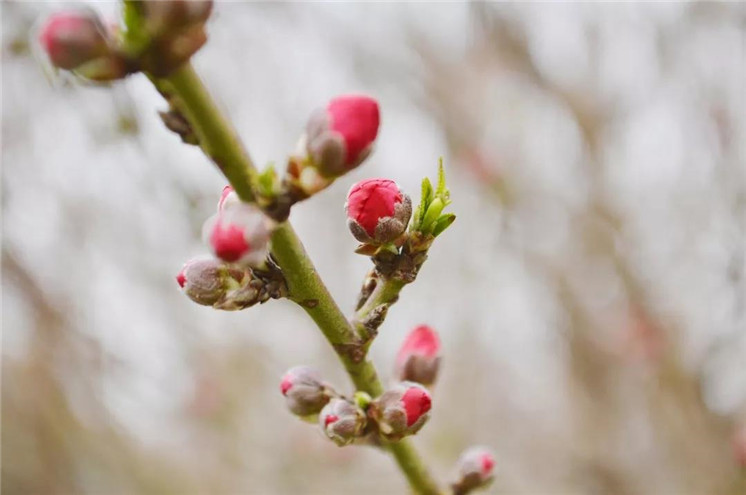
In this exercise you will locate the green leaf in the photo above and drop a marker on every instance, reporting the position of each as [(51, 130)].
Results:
[(425, 199), (427, 191), (416, 219), (441, 190), (443, 223), (432, 214), (427, 215)]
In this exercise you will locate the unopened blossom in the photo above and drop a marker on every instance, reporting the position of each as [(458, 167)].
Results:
[(340, 136), (377, 211)]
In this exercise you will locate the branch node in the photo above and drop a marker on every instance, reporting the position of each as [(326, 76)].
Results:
[(355, 351)]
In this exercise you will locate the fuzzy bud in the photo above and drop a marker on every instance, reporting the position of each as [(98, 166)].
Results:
[(418, 358), (206, 280), (306, 394), (377, 211), (475, 470), (341, 136), (228, 198), (73, 38), (402, 410), (342, 421), (239, 234), (225, 286)]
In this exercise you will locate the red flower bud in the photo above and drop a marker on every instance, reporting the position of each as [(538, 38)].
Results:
[(239, 234), (342, 421), (475, 470), (418, 359), (402, 410), (340, 137), (306, 394), (377, 211), (74, 38), (228, 198)]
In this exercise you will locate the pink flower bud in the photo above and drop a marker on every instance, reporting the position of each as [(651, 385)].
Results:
[(306, 394), (402, 410), (228, 198), (475, 470), (207, 281), (74, 38), (377, 211), (227, 286), (340, 137), (418, 359), (239, 234), (342, 421)]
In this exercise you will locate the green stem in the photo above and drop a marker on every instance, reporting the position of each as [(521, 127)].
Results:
[(307, 290), (414, 469), (386, 292), (220, 142)]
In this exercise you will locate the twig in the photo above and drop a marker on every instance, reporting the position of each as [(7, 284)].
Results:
[(185, 91)]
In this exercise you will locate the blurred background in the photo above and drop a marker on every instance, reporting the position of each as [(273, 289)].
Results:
[(591, 296)]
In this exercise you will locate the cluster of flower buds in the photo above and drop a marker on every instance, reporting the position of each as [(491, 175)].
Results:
[(305, 392), (402, 410), (379, 214), (418, 359), (474, 470), (311, 398), (78, 41), (175, 31), (240, 274), (377, 211)]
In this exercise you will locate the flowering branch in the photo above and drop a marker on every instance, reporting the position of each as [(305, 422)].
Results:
[(217, 138), (398, 258), (258, 256)]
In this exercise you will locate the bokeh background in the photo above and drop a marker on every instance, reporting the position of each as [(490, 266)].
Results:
[(591, 296)]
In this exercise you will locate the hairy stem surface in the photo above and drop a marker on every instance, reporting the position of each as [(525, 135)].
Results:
[(185, 92)]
